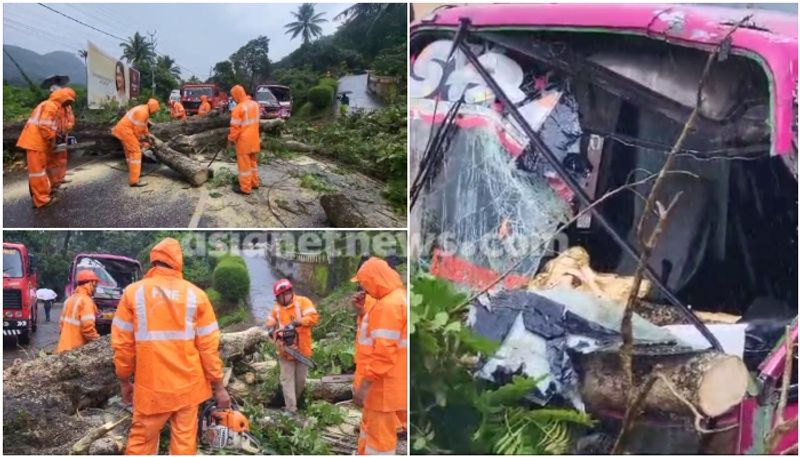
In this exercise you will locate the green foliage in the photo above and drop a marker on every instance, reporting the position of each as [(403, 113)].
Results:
[(392, 62), (299, 80), (330, 82), (315, 183), (335, 355), (239, 314), (373, 143), (251, 62), (214, 297), (231, 279), (197, 271), (306, 23), (223, 177), (454, 413), (327, 414), (287, 435), (19, 101), (320, 96)]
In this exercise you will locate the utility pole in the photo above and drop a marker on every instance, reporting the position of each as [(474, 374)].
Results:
[(153, 64)]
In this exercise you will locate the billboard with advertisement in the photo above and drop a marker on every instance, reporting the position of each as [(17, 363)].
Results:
[(109, 81)]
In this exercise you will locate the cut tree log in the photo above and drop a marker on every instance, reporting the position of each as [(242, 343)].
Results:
[(41, 396), (210, 140), (294, 145), (711, 381), (83, 444), (342, 212), (332, 392), (191, 170)]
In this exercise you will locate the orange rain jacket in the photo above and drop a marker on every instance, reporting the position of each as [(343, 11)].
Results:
[(301, 310), (205, 107), (40, 130), (383, 337), (177, 111), (165, 334), (65, 120), (362, 351), (244, 122), (77, 320), (134, 123)]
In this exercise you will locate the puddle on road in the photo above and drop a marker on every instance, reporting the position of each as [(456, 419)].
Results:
[(261, 280)]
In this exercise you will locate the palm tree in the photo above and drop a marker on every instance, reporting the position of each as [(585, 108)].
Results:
[(138, 50), (306, 23), (83, 54), (168, 63), (366, 11)]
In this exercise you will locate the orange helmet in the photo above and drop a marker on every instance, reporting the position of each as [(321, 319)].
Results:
[(234, 420), (153, 105), (86, 276)]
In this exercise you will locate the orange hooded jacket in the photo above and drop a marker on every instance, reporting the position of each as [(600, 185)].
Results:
[(165, 334), (77, 320), (362, 351), (42, 125), (245, 119), (383, 333), (177, 111), (301, 310), (205, 107), (134, 123)]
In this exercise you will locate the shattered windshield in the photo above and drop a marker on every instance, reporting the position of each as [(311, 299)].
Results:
[(106, 280), (264, 96)]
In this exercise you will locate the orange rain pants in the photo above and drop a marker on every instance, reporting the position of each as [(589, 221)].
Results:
[(244, 131), (146, 429), (38, 181)]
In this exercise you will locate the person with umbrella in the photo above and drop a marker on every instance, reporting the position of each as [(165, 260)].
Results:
[(47, 297)]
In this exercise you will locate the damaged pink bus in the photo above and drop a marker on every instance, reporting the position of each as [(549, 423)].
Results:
[(538, 128)]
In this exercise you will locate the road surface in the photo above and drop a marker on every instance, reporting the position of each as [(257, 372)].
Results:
[(98, 196), (356, 86), (261, 281), (45, 338)]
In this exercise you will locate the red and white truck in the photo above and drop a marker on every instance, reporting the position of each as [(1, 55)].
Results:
[(191, 93), (20, 312)]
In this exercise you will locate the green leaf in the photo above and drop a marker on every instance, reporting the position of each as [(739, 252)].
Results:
[(454, 326), (439, 320)]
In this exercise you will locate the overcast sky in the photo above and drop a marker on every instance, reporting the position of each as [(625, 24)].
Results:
[(197, 35)]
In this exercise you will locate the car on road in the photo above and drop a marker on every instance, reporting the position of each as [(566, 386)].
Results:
[(116, 272), (175, 95)]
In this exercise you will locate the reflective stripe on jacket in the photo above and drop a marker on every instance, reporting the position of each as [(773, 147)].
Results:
[(165, 334), (301, 310), (77, 320), (134, 123)]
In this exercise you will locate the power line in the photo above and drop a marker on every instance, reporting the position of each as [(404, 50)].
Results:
[(106, 33)]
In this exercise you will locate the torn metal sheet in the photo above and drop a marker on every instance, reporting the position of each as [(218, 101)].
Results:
[(539, 331)]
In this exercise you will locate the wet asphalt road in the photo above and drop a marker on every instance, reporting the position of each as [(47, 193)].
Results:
[(99, 196), (45, 338), (261, 281), (356, 85)]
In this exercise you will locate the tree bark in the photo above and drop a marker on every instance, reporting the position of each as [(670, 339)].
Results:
[(210, 140), (41, 396), (342, 212), (191, 170), (711, 381)]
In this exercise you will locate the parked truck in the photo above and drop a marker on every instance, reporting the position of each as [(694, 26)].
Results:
[(20, 313), (191, 93), (115, 272), (282, 94)]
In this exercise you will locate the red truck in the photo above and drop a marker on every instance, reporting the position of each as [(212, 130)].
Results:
[(191, 93), (20, 313), (115, 272)]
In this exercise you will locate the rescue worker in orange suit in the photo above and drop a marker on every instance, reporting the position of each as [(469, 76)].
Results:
[(57, 161), (205, 106), (176, 111), (382, 389), (133, 133), (300, 312), (165, 335), (362, 304), (38, 139), (78, 317), (244, 132)]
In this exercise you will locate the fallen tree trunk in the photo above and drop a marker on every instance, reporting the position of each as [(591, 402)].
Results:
[(211, 140), (712, 382), (191, 170), (41, 396), (342, 212), (332, 392)]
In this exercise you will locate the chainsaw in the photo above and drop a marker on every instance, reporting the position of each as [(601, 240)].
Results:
[(288, 335), (226, 429)]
